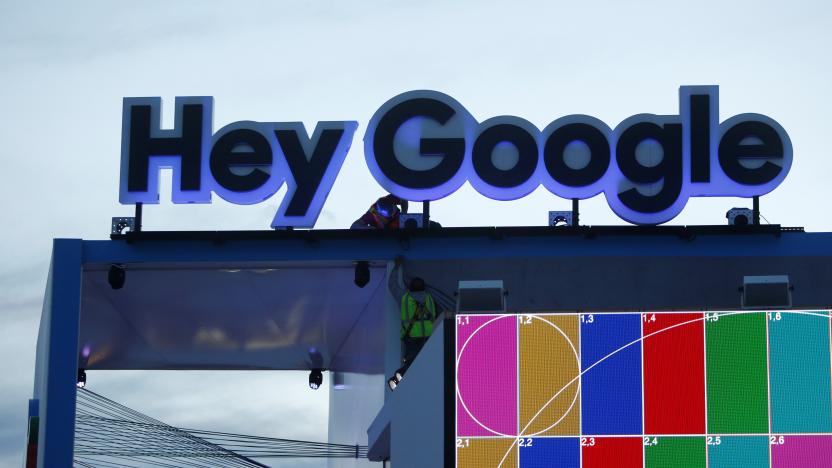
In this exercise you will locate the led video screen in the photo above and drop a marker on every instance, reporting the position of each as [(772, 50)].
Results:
[(666, 389)]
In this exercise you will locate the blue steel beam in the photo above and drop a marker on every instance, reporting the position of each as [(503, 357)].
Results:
[(58, 342), (449, 244)]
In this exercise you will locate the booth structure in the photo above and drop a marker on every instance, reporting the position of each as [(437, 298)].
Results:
[(287, 300)]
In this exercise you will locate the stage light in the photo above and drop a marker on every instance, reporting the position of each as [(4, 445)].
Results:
[(560, 218), (411, 220), (392, 383), (120, 225), (766, 292), (477, 297), (116, 276), (82, 378), (316, 378), (740, 216), (362, 273)]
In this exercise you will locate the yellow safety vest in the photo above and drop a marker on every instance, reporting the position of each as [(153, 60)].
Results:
[(416, 317)]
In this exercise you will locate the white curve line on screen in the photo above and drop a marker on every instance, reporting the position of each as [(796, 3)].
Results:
[(574, 354), (577, 387)]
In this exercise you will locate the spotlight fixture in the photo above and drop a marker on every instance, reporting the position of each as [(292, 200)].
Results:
[(82, 378), (119, 225), (316, 378), (116, 276), (362, 273), (766, 292), (478, 297), (411, 220), (392, 383), (740, 216), (560, 218)]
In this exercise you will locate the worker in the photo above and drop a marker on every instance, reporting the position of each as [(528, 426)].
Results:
[(383, 214), (418, 312)]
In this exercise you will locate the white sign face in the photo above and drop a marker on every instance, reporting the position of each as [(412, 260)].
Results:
[(423, 145)]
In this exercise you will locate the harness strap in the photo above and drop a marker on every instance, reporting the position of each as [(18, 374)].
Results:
[(419, 315)]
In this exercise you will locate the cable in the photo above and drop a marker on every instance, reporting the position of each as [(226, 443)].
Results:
[(111, 435)]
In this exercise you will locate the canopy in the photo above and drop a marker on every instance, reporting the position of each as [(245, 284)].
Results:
[(233, 316)]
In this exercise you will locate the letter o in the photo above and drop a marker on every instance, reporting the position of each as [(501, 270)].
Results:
[(527, 153), (599, 160)]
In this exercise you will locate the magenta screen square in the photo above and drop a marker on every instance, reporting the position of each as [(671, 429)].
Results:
[(486, 375)]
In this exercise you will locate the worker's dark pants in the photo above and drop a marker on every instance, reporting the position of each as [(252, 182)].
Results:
[(412, 346)]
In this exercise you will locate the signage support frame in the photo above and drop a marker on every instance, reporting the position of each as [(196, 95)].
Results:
[(756, 210)]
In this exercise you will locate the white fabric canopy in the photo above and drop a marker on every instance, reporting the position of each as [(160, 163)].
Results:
[(279, 316)]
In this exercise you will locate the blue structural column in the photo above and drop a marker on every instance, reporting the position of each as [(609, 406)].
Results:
[(58, 355)]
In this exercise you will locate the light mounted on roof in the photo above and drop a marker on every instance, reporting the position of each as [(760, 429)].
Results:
[(362, 273), (316, 378), (766, 292), (560, 218), (116, 276), (481, 297)]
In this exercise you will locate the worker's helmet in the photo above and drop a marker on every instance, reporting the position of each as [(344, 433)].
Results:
[(417, 284), (387, 210)]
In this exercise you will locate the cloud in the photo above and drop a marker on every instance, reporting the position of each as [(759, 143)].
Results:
[(66, 65)]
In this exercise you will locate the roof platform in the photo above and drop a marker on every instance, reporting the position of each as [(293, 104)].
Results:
[(286, 300)]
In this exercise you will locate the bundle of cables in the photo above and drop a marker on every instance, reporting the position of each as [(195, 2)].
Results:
[(111, 435)]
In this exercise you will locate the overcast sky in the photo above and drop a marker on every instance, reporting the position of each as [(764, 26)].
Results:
[(65, 66)]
